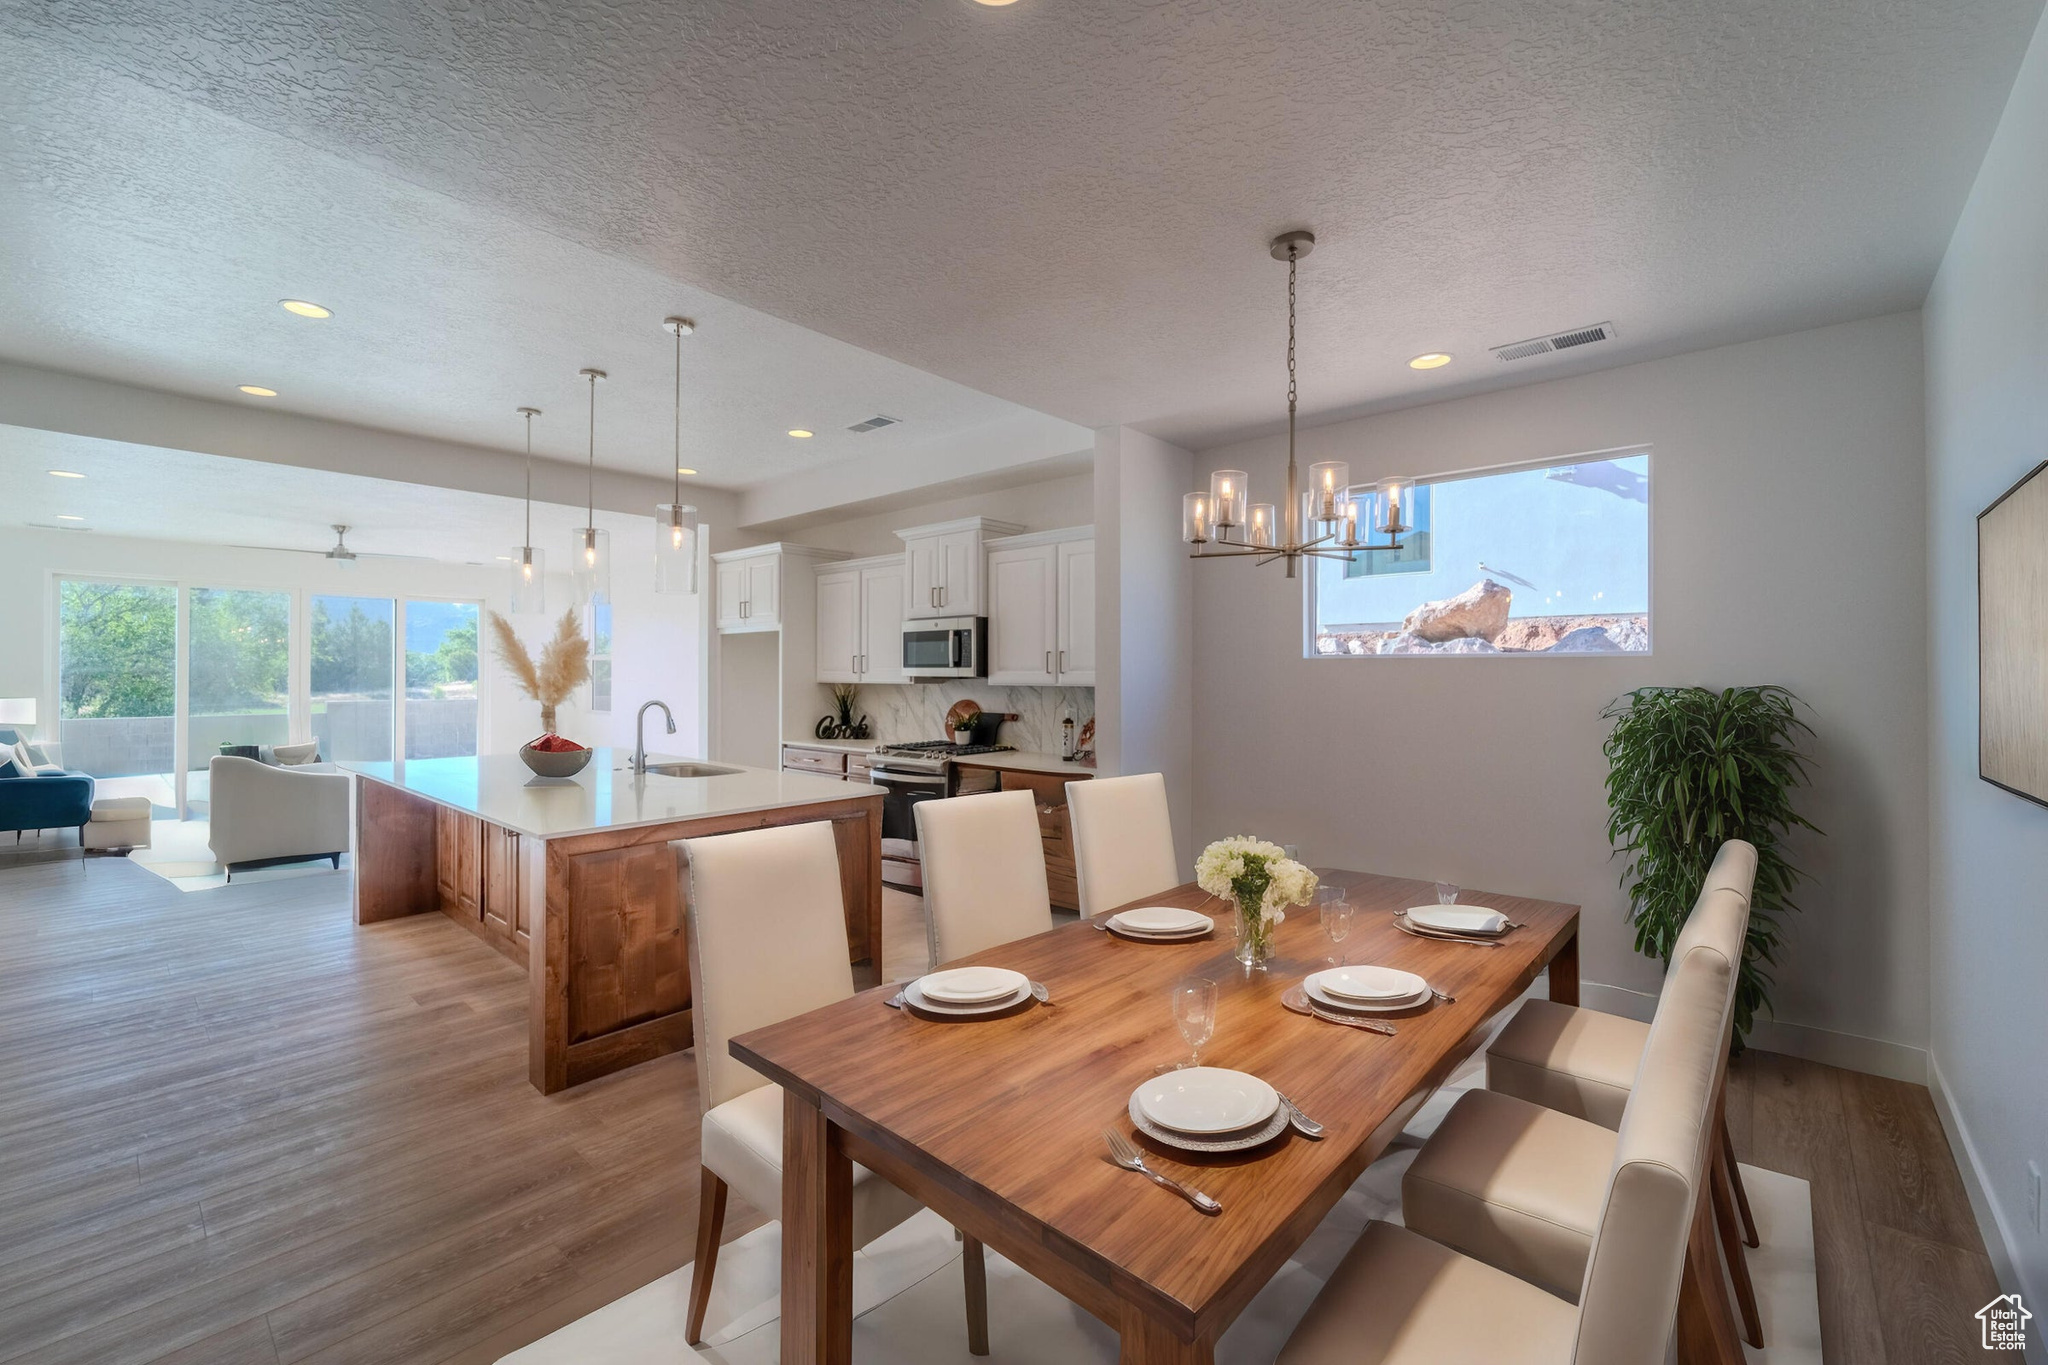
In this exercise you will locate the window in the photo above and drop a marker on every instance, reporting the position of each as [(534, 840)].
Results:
[(352, 671), (1533, 560), (237, 674), (440, 679), (117, 678), (601, 655)]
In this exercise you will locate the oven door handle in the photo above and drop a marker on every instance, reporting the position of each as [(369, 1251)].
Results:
[(910, 779)]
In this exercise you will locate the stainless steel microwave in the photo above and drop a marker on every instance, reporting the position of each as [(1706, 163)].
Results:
[(946, 647)]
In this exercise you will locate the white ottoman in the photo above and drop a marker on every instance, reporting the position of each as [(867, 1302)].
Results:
[(117, 822)]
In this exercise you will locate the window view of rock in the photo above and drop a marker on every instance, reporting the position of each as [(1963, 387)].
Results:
[(1545, 560)]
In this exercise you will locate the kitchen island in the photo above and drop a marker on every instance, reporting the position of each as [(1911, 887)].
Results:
[(575, 880)]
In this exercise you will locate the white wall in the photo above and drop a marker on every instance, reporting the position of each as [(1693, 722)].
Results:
[(1145, 631), (1987, 425), (655, 655), (1045, 506), (1787, 543)]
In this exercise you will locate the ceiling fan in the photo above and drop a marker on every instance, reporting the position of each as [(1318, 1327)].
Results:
[(339, 554)]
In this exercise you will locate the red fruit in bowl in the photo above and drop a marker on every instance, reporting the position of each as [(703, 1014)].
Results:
[(554, 744)]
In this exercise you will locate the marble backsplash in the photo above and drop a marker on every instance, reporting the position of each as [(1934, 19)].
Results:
[(918, 711)]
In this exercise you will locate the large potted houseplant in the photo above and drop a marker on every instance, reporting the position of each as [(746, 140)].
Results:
[(1689, 768)]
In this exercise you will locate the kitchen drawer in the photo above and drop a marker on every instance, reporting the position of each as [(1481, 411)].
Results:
[(858, 766), (829, 761)]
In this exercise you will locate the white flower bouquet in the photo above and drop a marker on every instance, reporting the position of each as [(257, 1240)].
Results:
[(1262, 881)]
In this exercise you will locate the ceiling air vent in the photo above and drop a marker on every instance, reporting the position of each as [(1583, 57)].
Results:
[(1556, 341), (875, 423)]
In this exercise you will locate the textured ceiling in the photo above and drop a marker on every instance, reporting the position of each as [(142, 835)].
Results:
[(149, 239), (1064, 203), (162, 494)]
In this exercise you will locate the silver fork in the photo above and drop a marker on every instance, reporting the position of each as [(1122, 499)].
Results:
[(1125, 1155)]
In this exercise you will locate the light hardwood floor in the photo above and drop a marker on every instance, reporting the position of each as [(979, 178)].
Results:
[(236, 1129)]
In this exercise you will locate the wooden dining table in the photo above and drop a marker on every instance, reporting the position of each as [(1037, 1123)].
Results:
[(996, 1123)]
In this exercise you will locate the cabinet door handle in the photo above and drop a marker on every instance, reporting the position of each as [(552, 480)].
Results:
[(1063, 661), (1048, 662)]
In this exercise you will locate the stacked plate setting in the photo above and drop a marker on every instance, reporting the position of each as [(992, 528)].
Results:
[(1159, 924), (1208, 1109), (1458, 921), (1366, 990), (966, 991)]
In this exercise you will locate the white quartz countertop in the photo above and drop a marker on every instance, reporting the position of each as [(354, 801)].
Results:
[(501, 789), (1025, 762)]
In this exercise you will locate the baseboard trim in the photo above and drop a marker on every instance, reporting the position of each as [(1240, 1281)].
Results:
[(1999, 1242), (1851, 1052)]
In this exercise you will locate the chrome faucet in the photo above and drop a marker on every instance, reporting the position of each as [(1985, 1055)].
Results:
[(640, 734)]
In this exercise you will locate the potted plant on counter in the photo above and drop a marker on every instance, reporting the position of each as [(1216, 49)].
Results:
[(564, 666)]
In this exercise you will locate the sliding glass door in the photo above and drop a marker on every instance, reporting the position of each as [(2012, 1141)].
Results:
[(440, 679), (238, 676), (352, 656), (117, 681)]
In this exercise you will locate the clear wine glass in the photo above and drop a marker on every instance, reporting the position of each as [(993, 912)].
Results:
[(1446, 893), (1335, 909), (1194, 1010)]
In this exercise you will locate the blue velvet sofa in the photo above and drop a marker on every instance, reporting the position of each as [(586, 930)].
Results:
[(45, 801)]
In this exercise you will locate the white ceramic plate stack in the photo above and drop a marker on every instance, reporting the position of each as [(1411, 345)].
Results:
[(1208, 1109), (1466, 921), (1367, 990), (1160, 924), (968, 991)]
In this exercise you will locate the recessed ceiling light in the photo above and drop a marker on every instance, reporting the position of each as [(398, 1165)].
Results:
[(800, 433), (305, 309), (995, 4), (65, 516), (65, 474), (1430, 361), (684, 472), (258, 391), (506, 558)]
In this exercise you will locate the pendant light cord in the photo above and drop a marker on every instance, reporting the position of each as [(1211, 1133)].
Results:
[(529, 480), (1294, 532), (590, 470), (678, 460)]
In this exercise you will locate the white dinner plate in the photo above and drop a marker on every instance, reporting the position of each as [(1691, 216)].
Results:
[(913, 994), (1370, 985), (1199, 931), (1243, 1140), (1206, 1099), (1338, 1002), (1458, 919), (1161, 919), (971, 985)]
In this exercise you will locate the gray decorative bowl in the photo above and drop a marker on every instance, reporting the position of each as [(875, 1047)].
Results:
[(546, 764)]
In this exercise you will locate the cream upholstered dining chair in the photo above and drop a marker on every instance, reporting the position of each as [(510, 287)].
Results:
[(1123, 840), (767, 936), (984, 872), (1582, 1062), (1399, 1298)]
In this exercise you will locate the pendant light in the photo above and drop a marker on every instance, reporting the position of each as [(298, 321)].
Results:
[(1320, 522), (592, 565), (675, 523), (527, 592)]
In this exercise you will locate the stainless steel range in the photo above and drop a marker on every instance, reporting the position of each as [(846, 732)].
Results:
[(907, 774)]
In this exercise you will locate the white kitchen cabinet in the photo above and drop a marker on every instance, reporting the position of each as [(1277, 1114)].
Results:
[(1074, 640), (1041, 610), (1023, 612), (751, 590), (839, 625), (884, 590), (860, 621), (944, 564)]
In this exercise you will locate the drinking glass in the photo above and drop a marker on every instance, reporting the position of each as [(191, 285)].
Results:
[(1194, 1010), (1446, 893), (1335, 909)]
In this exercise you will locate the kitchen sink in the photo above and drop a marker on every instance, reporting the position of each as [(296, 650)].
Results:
[(688, 768)]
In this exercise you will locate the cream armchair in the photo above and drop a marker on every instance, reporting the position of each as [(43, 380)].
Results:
[(260, 814)]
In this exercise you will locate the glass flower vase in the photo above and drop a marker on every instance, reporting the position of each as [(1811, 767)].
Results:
[(1254, 935)]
